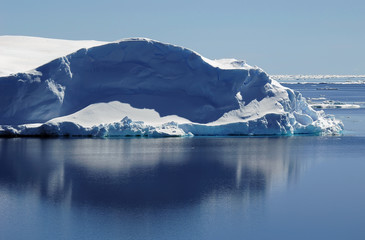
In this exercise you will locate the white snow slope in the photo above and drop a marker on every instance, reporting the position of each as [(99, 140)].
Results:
[(21, 53), (141, 87)]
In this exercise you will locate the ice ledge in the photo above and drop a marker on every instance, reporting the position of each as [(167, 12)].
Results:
[(270, 124)]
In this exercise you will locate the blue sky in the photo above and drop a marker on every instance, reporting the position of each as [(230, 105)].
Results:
[(282, 37)]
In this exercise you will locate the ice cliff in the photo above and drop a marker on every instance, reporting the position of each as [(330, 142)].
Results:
[(141, 87)]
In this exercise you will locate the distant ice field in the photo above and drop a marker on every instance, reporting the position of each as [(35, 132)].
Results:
[(302, 79)]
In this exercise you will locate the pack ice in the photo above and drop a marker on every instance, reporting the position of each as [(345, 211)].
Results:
[(141, 87)]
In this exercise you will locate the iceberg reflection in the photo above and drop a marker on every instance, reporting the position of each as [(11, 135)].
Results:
[(149, 173)]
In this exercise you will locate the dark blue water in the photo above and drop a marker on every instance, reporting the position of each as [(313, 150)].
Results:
[(302, 187), (183, 188)]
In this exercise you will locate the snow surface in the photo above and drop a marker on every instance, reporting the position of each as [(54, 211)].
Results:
[(141, 87), (21, 53)]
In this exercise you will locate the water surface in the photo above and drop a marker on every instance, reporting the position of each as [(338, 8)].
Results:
[(182, 188)]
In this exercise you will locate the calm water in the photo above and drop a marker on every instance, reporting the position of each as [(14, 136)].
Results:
[(182, 188), (303, 187)]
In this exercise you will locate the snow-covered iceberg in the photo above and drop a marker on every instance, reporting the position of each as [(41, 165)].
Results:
[(141, 87)]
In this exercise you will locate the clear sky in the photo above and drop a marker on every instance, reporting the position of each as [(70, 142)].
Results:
[(281, 36)]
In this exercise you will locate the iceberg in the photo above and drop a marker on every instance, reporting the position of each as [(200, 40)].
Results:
[(142, 87)]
